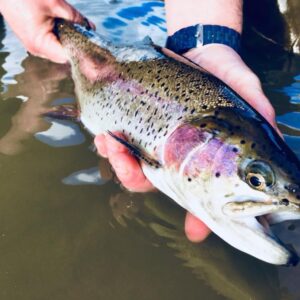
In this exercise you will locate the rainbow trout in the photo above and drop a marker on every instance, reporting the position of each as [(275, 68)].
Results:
[(197, 141)]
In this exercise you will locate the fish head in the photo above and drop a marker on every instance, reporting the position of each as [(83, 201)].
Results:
[(238, 179)]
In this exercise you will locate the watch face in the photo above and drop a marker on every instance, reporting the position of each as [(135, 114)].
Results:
[(199, 35)]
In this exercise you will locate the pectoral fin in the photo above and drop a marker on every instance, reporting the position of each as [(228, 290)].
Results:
[(138, 153)]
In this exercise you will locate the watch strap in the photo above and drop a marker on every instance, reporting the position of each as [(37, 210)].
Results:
[(193, 36)]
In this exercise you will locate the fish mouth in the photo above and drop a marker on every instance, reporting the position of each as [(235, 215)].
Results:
[(256, 218), (264, 221)]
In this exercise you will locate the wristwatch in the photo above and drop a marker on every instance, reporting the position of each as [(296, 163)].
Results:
[(193, 36)]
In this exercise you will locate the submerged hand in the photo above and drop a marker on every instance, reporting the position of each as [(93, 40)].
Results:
[(33, 21), (225, 64)]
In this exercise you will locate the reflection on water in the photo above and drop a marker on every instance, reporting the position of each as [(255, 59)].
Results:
[(68, 231)]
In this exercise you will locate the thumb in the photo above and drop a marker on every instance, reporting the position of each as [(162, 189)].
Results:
[(68, 12), (50, 48)]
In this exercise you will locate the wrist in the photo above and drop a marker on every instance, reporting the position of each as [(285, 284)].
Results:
[(181, 14)]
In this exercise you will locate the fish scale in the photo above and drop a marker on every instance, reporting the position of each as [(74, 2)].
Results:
[(197, 141), (147, 112)]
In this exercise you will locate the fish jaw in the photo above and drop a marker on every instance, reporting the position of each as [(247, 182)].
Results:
[(246, 234)]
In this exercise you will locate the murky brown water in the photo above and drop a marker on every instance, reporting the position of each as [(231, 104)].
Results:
[(68, 232)]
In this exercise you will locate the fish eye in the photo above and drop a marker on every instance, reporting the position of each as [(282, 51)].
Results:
[(256, 181), (259, 175)]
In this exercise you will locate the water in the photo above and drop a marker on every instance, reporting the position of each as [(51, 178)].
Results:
[(68, 231)]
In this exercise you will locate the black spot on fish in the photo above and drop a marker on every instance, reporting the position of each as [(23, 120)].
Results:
[(285, 202), (193, 110), (189, 179), (243, 142), (235, 150), (203, 125), (204, 106), (218, 174)]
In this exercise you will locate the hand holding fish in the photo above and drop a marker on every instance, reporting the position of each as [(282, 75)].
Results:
[(33, 20)]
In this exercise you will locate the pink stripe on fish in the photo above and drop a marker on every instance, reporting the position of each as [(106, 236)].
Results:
[(183, 140), (215, 157)]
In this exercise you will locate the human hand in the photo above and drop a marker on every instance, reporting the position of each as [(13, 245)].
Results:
[(225, 64), (33, 21)]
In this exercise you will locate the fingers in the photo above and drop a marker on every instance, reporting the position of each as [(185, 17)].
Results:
[(100, 143), (66, 11), (49, 47), (125, 165), (195, 229)]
